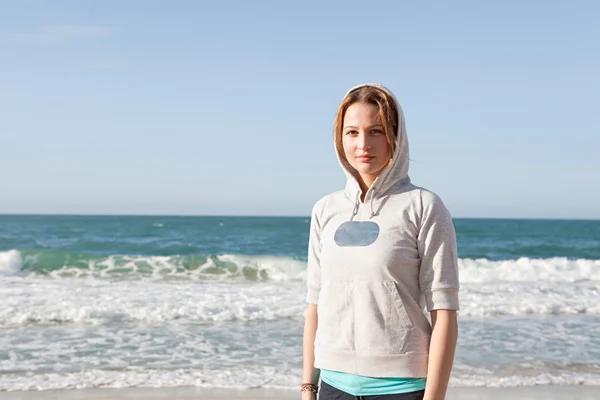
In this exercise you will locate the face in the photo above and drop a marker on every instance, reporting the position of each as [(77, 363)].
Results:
[(365, 145)]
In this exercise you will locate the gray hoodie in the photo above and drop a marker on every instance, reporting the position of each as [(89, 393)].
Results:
[(374, 266)]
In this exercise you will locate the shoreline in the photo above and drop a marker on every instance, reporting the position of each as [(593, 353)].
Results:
[(547, 392)]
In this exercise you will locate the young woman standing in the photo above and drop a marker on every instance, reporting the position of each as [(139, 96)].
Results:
[(380, 252)]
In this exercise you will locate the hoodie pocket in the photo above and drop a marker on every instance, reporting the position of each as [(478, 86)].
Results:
[(382, 322), (336, 316)]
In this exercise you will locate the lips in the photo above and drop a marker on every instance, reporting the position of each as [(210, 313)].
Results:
[(364, 158)]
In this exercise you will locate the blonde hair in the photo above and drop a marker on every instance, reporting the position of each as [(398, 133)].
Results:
[(386, 108)]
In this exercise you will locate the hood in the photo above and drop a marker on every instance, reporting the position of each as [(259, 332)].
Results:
[(393, 174)]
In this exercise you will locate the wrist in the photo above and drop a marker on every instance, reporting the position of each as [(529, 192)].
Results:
[(309, 387)]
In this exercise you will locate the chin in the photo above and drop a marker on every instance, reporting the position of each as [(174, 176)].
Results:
[(369, 170)]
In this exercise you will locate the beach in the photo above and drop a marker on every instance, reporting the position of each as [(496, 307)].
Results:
[(548, 392), (183, 182)]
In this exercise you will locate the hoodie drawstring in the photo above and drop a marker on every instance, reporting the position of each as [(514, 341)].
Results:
[(372, 212), (373, 194), (356, 203)]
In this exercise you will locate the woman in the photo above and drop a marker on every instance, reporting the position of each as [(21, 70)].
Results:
[(380, 252)]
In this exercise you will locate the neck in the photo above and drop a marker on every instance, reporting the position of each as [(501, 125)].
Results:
[(365, 182)]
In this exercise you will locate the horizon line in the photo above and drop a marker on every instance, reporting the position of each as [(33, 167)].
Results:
[(268, 216)]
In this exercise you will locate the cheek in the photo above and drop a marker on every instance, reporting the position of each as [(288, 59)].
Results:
[(383, 146), (347, 145), (386, 148)]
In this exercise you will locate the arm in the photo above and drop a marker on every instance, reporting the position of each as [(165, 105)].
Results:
[(439, 283), (313, 281), (310, 374), (441, 353)]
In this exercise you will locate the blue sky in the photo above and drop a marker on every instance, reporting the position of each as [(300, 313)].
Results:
[(191, 107)]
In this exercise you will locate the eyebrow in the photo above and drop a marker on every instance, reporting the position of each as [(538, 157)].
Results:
[(372, 126)]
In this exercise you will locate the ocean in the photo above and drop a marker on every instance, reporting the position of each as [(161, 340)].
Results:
[(218, 302)]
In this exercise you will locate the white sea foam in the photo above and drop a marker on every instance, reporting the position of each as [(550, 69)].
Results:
[(85, 333), (10, 262), (263, 288), (540, 298), (29, 301), (558, 269), (97, 302)]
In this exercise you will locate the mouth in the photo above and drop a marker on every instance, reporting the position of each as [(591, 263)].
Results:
[(365, 158)]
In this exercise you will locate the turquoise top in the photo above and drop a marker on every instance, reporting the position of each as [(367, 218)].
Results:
[(357, 385)]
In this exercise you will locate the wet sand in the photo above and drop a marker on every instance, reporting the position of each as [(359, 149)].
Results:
[(523, 393)]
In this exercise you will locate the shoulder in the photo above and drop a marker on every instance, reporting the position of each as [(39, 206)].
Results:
[(429, 202), (322, 204), (418, 194), (430, 198), (433, 210)]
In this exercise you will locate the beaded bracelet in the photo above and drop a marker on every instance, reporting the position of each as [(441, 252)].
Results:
[(309, 387)]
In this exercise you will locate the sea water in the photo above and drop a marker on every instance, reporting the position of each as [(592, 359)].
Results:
[(141, 301)]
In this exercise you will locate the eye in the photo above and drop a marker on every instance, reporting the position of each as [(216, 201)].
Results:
[(351, 132), (377, 132)]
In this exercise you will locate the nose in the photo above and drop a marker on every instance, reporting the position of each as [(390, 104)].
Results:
[(363, 140)]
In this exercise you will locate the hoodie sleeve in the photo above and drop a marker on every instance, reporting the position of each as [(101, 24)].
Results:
[(438, 275), (313, 279)]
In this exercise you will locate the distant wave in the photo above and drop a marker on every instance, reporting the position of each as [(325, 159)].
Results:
[(60, 264)]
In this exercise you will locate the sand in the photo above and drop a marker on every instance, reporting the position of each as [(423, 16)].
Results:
[(524, 393)]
